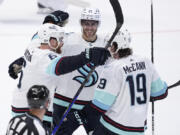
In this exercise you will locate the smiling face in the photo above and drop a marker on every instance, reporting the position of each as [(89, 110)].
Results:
[(89, 29)]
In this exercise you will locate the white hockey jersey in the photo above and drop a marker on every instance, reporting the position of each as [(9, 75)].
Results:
[(34, 73), (124, 90), (70, 83)]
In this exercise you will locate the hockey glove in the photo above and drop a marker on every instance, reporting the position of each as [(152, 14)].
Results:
[(16, 67), (72, 121), (57, 17), (97, 55)]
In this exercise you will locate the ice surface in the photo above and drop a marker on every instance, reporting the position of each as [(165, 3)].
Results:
[(19, 21)]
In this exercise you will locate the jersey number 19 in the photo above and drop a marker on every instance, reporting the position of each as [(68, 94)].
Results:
[(140, 81)]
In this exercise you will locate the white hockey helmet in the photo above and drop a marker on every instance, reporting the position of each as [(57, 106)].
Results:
[(91, 14), (48, 31), (123, 39)]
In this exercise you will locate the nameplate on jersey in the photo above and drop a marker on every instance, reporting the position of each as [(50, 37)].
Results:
[(134, 67), (28, 55)]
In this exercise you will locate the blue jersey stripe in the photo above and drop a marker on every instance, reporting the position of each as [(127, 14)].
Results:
[(47, 118), (100, 105), (158, 88), (104, 98), (16, 114)]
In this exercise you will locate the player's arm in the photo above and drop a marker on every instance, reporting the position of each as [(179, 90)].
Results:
[(159, 88), (63, 65)]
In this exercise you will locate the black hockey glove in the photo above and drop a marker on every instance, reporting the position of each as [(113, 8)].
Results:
[(72, 121), (97, 55), (57, 17), (15, 67)]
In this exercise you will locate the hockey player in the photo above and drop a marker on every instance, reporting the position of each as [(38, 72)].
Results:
[(36, 66), (122, 94), (59, 18), (75, 43), (70, 83), (31, 122)]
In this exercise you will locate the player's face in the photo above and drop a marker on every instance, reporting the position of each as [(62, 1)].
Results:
[(89, 29), (56, 44), (53, 42)]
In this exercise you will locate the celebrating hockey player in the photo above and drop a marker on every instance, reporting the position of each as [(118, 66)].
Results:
[(74, 44), (40, 61), (38, 99), (122, 93), (69, 84), (59, 18)]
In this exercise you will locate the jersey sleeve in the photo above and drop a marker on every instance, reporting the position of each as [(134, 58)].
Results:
[(43, 60), (51, 68), (158, 87), (107, 88), (63, 65)]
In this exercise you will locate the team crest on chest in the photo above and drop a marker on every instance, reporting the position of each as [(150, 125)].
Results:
[(84, 72)]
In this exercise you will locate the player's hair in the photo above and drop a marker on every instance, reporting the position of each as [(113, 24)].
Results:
[(124, 52)]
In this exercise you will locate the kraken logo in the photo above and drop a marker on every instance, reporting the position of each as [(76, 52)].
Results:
[(84, 72)]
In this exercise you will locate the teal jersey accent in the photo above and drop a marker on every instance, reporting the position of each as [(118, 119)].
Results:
[(52, 66), (66, 104), (103, 99), (158, 88)]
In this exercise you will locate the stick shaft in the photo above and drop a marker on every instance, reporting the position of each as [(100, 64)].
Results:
[(152, 59)]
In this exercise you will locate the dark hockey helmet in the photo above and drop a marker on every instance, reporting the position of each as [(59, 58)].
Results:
[(37, 96)]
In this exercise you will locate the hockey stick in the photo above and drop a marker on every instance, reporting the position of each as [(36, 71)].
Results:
[(174, 85), (119, 22), (152, 58)]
